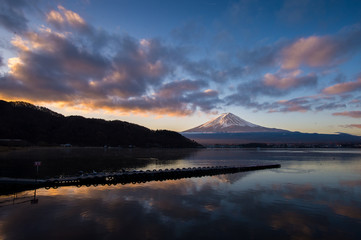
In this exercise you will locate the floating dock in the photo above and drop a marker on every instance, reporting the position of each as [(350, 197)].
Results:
[(124, 177)]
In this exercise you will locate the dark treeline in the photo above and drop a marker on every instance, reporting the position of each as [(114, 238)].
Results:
[(41, 126)]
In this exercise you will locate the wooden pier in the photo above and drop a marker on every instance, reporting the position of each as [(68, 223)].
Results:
[(125, 177)]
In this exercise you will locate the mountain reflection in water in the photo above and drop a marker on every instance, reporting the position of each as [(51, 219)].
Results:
[(315, 195)]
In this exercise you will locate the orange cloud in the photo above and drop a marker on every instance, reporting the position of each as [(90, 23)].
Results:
[(72, 17), (65, 16), (51, 68), (20, 43), (54, 16), (14, 64), (343, 87), (353, 114)]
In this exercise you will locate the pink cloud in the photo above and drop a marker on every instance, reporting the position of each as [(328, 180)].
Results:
[(313, 51), (351, 126), (343, 87), (295, 108), (284, 81), (320, 51), (353, 114)]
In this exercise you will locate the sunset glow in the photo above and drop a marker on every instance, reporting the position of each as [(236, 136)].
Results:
[(177, 64)]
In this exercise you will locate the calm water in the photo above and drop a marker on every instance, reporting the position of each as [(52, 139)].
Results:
[(315, 195)]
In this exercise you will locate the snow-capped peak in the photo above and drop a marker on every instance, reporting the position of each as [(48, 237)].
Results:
[(226, 120), (230, 123)]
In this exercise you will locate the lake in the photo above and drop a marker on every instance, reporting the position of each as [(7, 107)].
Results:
[(316, 194)]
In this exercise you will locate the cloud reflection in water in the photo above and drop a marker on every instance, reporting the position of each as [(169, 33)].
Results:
[(268, 204)]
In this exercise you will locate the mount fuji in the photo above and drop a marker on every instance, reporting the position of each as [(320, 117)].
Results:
[(230, 123), (230, 129)]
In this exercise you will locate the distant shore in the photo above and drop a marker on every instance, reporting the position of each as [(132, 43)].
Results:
[(247, 145)]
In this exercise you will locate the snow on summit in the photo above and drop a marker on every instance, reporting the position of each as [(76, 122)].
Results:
[(228, 122)]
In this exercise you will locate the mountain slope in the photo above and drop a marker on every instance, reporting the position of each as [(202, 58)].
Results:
[(228, 122), (41, 126), (230, 129), (275, 138)]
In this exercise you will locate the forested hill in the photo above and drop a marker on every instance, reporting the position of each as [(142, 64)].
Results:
[(41, 126)]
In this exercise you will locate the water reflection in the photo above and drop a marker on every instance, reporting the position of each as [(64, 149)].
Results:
[(71, 161), (18, 198), (225, 206), (317, 198)]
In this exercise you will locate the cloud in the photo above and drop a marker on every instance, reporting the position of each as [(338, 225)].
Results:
[(289, 80), (355, 102), (182, 97), (345, 87), (318, 51), (245, 100), (298, 104), (292, 56), (219, 71), (52, 65), (293, 105), (12, 15), (330, 106), (55, 17), (64, 18), (308, 103), (351, 126), (134, 69), (178, 88), (272, 85), (72, 17), (353, 114), (72, 62), (313, 51), (98, 70)]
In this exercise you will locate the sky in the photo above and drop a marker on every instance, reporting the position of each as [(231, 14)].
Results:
[(169, 64)]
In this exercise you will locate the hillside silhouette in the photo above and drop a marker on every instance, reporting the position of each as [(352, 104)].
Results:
[(40, 126)]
